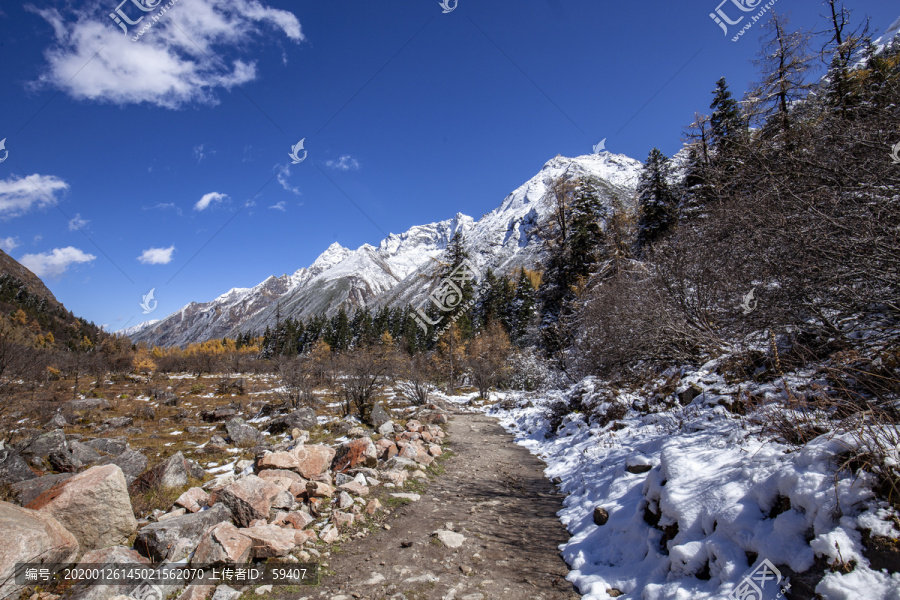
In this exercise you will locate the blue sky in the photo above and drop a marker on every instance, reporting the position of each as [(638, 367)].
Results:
[(164, 162)]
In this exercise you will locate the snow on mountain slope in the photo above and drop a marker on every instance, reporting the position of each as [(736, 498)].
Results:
[(397, 270)]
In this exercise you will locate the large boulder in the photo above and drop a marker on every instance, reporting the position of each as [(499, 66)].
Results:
[(30, 536), (223, 543), (360, 452), (243, 435), (13, 467), (93, 505), (309, 461), (249, 498), (302, 418), (37, 449), (172, 473), (160, 541)]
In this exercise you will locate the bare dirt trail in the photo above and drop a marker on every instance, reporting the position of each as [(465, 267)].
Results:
[(495, 495)]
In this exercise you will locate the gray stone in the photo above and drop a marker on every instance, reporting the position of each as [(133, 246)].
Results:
[(58, 421), (302, 418), (117, 422), (28, 490), (36, 450), (223, 592), (379, 416), (87, 404), (13, 467), (173, 473), (83, 452), (158, 540), (64, 461), (114, 446), (132, 463), (386, 428), (451, 539), (243, 435)]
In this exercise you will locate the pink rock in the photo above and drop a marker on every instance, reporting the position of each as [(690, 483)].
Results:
[(435, 450), (354, 487), (308, 461), (360, 452), (342, 520), (299, 519), (413, 426), (270, 541), (301, 537), (249, 498), (93, 505), (329, 534), (281, 474), (28, 534), (317, 489), (258, 522), (223, 543), (386, 449), (373, 506), (193, 500)]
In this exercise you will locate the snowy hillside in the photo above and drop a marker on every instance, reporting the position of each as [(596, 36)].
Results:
[(396, 270)]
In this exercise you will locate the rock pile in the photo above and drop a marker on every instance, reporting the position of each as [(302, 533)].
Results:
[(293, 498)]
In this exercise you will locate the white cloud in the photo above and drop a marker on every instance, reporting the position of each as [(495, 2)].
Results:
[(157, 256), (55, 262), (18, 195), (198, 153), (176, 62), (77, 222), (9, 244), (344, 163), (283, 172), (208, 199), (280, 206)]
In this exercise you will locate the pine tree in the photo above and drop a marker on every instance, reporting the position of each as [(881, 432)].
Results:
[(726, 122), (656, 200)]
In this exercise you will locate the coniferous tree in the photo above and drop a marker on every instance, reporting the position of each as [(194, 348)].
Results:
[(656, 200), (726, 123)]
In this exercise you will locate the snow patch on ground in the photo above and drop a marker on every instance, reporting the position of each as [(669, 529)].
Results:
[(717, 495)]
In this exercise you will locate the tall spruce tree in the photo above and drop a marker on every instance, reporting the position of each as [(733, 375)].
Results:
[(657, 202), (726, 123)]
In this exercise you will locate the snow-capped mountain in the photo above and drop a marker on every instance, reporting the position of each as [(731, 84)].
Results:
[(397, 270)]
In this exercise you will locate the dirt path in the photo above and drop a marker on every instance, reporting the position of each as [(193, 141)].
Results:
[(493, 493)]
